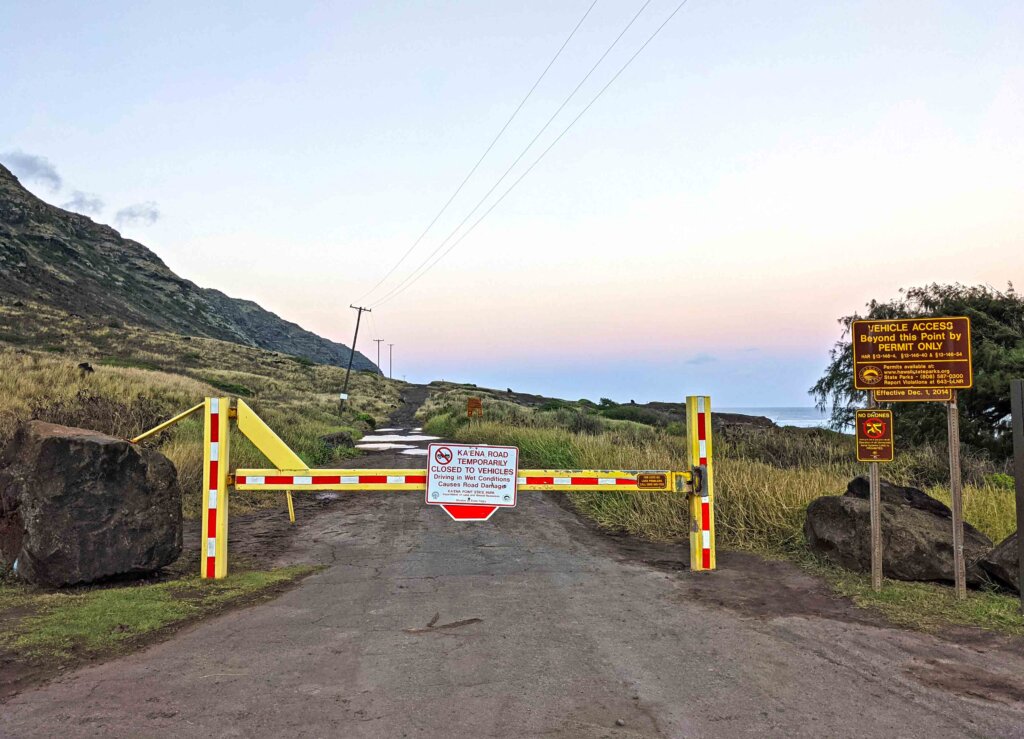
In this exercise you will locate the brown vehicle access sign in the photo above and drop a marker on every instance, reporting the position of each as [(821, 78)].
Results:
[(918, 353), (874, 435), (907, 395)]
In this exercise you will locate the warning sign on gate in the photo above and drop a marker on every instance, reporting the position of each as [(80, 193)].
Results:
[(472, 475)]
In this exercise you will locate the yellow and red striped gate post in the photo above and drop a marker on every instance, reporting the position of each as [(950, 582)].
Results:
[(213, 556), (702, 499)]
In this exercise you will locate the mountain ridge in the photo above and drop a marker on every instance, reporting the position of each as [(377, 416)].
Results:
[(67, 260)]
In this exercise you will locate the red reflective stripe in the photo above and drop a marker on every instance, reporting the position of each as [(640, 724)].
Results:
[(211, 523), (412, 479), (240, 479), (584, 481), (280, 480), (214, 427), (705, 517), (540, 481), (702, 433), (373, 478), (624, 481), (327, 480), (211, 567), (706, 558), (213, 474)]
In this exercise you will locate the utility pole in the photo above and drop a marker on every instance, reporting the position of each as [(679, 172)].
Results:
[(378, 353), (352, 355), (391, 361)]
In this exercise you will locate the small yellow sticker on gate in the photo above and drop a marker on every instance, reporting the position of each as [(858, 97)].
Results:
[(651, 481)]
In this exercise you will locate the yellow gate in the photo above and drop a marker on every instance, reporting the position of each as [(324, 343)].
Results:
[(291, 474)]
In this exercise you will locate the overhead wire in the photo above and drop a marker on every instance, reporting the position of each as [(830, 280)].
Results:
[(406, 284), (526, 149), (483, 156)]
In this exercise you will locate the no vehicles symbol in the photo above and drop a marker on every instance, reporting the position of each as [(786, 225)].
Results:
[(443, 455)]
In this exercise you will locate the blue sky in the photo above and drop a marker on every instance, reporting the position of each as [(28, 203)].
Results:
[(760, 170)]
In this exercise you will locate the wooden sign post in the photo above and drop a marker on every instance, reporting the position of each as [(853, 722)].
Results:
[(956, 497), (908, 359), (1017, 415), (874, 445)]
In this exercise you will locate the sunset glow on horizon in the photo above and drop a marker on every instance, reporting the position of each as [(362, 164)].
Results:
[(756, 173)]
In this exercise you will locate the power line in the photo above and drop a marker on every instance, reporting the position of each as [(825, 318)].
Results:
[(482, 156), (522, 153), (404, 286)]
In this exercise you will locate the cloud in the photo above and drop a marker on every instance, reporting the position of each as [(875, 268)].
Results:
[(83, 202), (144, 214), (33, 168), (700, 358)]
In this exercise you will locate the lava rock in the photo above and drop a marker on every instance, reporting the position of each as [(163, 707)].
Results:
[(860, 487), (1002, 564), (917, 540), (78, 506)]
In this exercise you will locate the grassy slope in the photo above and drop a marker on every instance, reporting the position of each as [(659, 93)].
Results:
[(143, 377), (765, 480)]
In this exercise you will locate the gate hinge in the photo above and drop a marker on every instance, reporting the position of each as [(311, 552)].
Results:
[(697, 476)]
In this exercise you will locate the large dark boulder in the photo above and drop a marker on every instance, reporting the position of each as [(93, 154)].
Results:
[(1002, 564), (78, 506), (917, 539)]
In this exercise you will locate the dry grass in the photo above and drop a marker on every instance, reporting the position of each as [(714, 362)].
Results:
[(765, 478), (144, 377)]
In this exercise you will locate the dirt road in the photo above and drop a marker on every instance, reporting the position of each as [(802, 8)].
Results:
[(532, 624)]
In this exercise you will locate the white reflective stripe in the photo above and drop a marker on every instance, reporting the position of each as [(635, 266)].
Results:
[(606, 481), (396, 479), (211, 547), (255, 481), (562, 481), (214, 451), (350, 480), (520, 480), (214, 405), (700, 403), (703, 446), (212, 503), (302, 481), (706, 499), (706, 536)]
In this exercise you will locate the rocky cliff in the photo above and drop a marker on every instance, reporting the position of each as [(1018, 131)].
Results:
[(66, 260)]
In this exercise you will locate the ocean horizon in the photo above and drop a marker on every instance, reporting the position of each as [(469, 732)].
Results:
[(802, 416)]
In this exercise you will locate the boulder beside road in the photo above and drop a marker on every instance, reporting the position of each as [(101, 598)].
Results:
[(1002, 564), (917, 535), (78, 506)]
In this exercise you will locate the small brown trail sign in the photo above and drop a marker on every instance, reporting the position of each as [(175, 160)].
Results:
[(474, 407), (912, 353), (874, 435)]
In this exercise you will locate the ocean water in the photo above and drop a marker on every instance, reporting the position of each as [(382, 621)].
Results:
[(803, 416)]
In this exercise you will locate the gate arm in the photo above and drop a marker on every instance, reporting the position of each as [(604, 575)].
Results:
[(264, 438), (166, 424)]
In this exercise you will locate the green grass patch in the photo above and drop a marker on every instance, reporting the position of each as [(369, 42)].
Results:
[(924, 606), (127, 362), (85, 623), (232, 388)]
